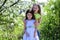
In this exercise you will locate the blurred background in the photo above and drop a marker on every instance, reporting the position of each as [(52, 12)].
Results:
[(12, 13)]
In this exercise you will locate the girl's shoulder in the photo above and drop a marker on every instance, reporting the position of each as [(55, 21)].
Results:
[(33, 20), (37, 15), (30, 20)]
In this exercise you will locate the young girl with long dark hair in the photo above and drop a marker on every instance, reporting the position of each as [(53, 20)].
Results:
[(30, 32)]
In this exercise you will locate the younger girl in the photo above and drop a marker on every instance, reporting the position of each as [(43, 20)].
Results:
[(30, 27)]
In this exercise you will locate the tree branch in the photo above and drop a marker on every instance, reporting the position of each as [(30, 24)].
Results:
[(1, 9), (14, 3), (2, 5)]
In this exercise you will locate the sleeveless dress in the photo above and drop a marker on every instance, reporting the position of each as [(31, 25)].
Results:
[(30, 28)]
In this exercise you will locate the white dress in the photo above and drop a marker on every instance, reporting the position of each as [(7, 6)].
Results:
[(30, 30)]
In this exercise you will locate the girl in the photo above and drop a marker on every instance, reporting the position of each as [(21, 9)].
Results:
[(37, 13), (30, 32)]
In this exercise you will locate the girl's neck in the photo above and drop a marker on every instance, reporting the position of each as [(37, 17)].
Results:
[(28, 19), (35, 12)]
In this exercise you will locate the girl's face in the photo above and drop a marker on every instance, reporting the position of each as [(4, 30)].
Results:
[(29, 15), (35, 8)]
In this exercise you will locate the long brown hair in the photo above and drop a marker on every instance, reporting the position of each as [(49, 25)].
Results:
[(39, 11)]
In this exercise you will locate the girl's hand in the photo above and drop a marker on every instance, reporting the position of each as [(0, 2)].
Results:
[(37, 23), (27, 34), (35, 34)]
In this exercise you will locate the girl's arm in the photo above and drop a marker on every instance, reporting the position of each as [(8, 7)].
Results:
[(35, 29), (39, 20), (24, 26)]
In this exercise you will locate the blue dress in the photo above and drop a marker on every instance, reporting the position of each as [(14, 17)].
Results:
[(30, 28)]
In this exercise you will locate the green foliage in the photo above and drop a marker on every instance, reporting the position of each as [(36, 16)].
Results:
[(50, 28), (11, 21)]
